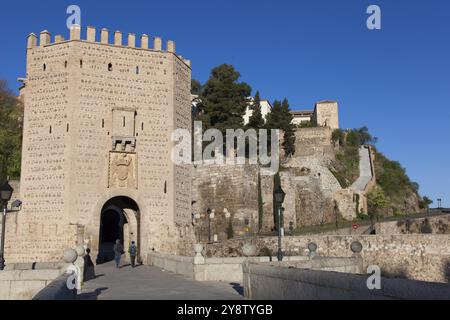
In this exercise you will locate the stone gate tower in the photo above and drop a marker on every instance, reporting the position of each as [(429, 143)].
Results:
[(97, 147)]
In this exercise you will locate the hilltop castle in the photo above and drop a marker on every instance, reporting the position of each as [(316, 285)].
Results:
[(325, 114), (96, 147)]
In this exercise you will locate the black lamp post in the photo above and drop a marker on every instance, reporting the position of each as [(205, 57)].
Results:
[(5, 195), (279, 195), (209, 211)]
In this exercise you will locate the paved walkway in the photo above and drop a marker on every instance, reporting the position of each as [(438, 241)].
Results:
[(365, 170), (150, 283)]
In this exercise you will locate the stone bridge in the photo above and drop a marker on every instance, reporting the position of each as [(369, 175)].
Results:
[(151, 283)]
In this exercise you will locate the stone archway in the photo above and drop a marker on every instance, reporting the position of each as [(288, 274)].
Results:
[(119, 218), (137, 222)]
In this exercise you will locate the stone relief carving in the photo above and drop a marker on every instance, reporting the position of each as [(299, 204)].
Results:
[(122, 170)]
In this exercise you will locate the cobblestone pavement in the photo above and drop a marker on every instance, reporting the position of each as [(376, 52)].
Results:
[(151, 283)]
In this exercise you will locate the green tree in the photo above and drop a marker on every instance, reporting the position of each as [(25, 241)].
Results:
[(223, 100), (376, 200), (359, 137), (11, 121), (289, 129), (281, 118), (274, 118), (230, 230), (196, 87), (338, 136), (256, 120), (425, 202), (276, 184)]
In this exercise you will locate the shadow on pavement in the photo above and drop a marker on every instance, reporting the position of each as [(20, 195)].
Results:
[(91, 295), (238, 288)]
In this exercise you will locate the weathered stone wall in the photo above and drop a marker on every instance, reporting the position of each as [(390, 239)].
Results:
[(231, 193), (268, 222), (427, 225), (418, 257), (311, 190), (306, 203), (314, 141), (313, 194)]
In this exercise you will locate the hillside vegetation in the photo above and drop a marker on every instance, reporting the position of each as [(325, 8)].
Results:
[(11, 117), (346, 166), (394, 193)]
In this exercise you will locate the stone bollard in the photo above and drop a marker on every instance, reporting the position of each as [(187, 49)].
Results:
[(199, 263), (70, 256), (80, 259), (312, 247), (198, 259), (249, 250), (356, 247)]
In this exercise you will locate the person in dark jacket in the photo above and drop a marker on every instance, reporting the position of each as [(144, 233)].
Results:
[(132, 250), (118, 251), (89, 268)]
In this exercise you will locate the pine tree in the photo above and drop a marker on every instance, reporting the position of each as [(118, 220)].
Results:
[(289, 129), (224, 99), (256, 120), (273, 120), (196, 87), (281, 118)]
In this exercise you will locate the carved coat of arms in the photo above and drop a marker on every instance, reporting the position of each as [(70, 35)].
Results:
[(122, 170)]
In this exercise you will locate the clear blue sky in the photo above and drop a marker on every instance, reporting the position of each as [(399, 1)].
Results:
[(395, 81)]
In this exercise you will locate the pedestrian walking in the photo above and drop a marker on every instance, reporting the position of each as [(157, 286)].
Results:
[(118, 251), (132, 250)]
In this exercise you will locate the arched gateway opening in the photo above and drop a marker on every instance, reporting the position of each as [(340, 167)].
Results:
[(119, 219)]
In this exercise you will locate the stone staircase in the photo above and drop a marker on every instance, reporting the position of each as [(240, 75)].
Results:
[(365, 170)]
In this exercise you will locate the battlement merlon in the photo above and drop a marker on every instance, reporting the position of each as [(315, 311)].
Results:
[(45, 39)]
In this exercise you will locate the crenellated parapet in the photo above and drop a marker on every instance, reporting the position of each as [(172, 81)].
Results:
[(118, 39)]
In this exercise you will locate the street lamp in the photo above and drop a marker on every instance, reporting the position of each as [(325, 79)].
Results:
[(5, 195), (209, 211), (439, 203), (279, 195)]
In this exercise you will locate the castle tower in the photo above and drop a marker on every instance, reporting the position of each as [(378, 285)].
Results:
[(96, 162), (326, 114)]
